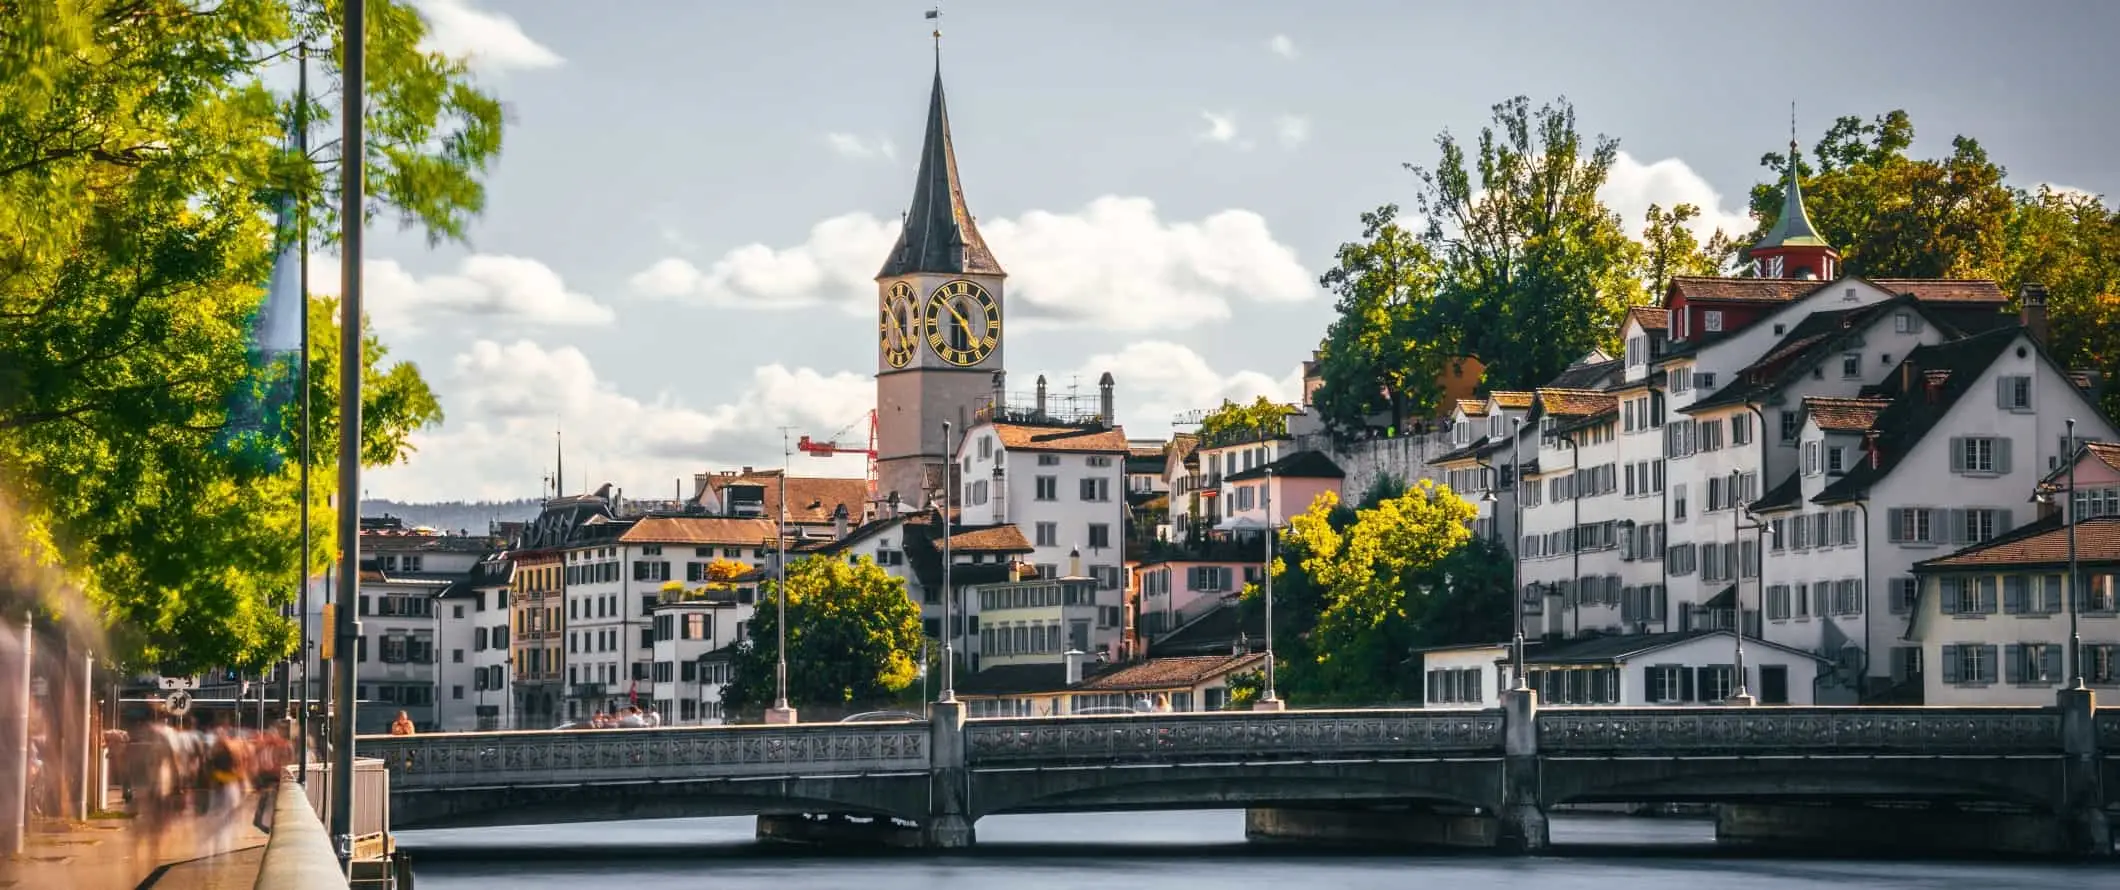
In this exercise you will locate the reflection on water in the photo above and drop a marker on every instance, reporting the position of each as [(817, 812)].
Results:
[(1157, 851)]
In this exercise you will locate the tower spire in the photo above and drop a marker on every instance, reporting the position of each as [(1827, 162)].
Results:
[(1792, 247), (939, 234)]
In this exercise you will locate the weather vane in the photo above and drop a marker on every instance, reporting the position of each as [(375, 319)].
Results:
[(935, 15)]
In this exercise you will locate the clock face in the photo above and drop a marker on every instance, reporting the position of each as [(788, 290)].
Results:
[(900, 325), (962, 323)]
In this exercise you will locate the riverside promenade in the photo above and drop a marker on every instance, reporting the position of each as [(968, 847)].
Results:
[(212, 852)]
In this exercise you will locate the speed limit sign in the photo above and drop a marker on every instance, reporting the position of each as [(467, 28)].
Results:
[(178, 703)]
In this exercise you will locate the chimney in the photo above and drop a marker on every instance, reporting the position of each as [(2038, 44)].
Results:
[(839, 523), (1906, 376), (1074, 563), (1038, 407), (1074, 659), (1104, 400), (1000, 404), (1869, 444), (1933, 383), (2031, 311)]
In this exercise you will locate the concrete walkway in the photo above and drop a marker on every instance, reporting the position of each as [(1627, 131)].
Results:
[(214, 852)]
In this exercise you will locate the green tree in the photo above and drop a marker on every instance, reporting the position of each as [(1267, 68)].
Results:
[(854, 639), (1670, 249), (1386, 350), (2070, 243), (1262, 418), (141, 155), (1889, 215), (1534, 269)]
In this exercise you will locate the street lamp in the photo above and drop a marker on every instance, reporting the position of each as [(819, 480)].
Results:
[(781, 712), (1516, 561), (1269, 700), (949, 593), (2068, 519), (1740, 696)]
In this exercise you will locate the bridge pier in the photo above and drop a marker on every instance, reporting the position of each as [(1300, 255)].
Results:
[(2085, 829), (1523, 815), (948, 825)]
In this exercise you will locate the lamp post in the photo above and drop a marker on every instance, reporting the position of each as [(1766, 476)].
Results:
[(2075, 640), (949, 591), (1739, 696), (1516, 561), (1269, 700), (353, 204), (781, 712)]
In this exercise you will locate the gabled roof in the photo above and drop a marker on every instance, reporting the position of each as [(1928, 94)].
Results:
[(812, 500), (2106, 453), (2043, 544), (722, 531), (1082, 439), (939, 234), (1913, 412), (1559, 402), (1180, 672), (1787, 495), (1625, 647), (1473, 407), (1594, 375), (1696, 289), (1514, 400), (1300, 465), (1650, 318), (1844, 415), (990, 539), (1814, 339)]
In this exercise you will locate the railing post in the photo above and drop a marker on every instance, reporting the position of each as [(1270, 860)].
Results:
[(949, 823), (1523, 815), (2085, 827)]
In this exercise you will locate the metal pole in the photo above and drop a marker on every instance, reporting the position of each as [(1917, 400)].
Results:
[(301, 141), (1271, 695), (352, 148), (2075, 639), (88, 722), (949, 591), (17, 780), (1516, 559), (1737, 586), (780, 668)]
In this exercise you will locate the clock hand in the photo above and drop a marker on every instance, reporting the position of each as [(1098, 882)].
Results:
[(962, 321)]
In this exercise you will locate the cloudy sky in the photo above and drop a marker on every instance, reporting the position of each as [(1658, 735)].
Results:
[(676, 259)]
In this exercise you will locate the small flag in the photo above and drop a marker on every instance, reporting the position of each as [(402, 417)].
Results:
[(255, 430), (934, 13)]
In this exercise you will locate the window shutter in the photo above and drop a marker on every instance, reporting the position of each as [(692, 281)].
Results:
[(1987, 661), (1955, 534), (1895, 524), (2013, 669), (1686, 690), (1953, 595), (1957, 454), (2002, 454), (2005, 522), (2050, 662), (1950, 664), (2002, 392), (2012, 595)]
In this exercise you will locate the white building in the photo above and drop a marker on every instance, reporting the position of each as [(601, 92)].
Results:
[(1065, 485), (695, 631), (491, 691), (411, 583), (1625, 670)]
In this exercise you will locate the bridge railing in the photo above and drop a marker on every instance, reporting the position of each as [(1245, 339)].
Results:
[(1798, 730), (1234, 736), (472, 759)]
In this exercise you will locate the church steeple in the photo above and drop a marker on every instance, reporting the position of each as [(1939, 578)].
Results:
[(1793, 248), (939, 235)]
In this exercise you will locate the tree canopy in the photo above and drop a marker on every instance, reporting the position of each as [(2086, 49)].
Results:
[(854, 638), (1261, 418), (142, 156), (1356, 591)]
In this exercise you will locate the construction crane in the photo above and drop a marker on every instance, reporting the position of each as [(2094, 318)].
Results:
[(837, 446)]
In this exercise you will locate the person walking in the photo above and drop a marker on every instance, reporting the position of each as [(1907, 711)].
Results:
[(402, 725)]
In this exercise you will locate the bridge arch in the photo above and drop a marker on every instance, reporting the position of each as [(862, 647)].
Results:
[(899, 797), (1469, 783), (2030, 782)]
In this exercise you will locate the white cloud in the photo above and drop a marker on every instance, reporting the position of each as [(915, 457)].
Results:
[(2065, 190), (1293, 130), (849, 145), (1281, 46), (1112, 265), (1632, 186), (491, 41), (1221, 128), (504, 400), (500, 291), (1156, 380)]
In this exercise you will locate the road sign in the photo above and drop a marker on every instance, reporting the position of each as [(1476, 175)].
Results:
[(180, 682), (178, 702)]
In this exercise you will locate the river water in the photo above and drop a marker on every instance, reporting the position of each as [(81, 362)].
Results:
[(1201, 850)]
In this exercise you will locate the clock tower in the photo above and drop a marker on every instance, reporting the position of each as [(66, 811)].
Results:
[(939, 302)]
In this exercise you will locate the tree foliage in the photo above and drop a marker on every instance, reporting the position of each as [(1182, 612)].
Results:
[(1669, 249), (141, 157), (854, 638), (1383, 352), (1895, 216), (1356, 591), (1262, 418)]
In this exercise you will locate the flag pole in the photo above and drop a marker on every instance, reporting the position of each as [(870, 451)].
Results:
[(301, 142), (352, 154)]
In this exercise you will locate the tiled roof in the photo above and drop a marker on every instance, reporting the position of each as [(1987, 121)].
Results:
[(718, 530), (1560, 402), (1844, 415), (1095, 440), (1761, 290), (1300, 465), (1786, 496), (2102, 452), (811, 499), (2105, 452), (1815, 338), (2097, 542), (1944, 290), (1650, 318), (1586, 376), (990, 539), (1473, 407), (1912, 412), (1463, 452), (1181, 672), (1511, 399), (1014, 679)]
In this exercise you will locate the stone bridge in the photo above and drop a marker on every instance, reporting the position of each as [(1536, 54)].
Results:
[(2019, 779)]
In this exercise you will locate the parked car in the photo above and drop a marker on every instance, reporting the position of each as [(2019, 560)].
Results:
[(882, 717)]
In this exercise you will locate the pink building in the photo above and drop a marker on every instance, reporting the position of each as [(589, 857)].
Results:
[(1177, 590), (1296, 481)]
